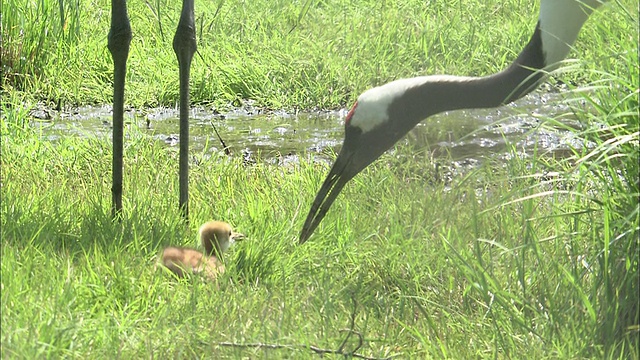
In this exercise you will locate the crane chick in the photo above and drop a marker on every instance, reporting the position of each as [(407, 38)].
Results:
[(216, 237)]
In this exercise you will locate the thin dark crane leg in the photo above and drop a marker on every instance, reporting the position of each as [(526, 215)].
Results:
[(118, 44), (184, 45)]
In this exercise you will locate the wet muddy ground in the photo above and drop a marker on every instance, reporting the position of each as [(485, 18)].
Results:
[(466, 137)]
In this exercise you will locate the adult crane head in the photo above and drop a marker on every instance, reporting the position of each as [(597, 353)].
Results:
[(383, 115)]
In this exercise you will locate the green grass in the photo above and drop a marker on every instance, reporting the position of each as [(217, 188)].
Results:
[(531, 258), (501, 265), (266, 51)]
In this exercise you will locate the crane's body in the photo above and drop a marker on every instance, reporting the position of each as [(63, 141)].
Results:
[(383, 115)]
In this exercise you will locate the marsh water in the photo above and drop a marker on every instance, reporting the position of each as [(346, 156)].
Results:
[(464, 137)]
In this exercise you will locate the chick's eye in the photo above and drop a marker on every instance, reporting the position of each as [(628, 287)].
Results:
[(229, 233)]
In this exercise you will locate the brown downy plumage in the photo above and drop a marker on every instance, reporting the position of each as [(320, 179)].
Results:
[(216, 237)]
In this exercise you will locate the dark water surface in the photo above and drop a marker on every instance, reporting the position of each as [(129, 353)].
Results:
[(468, 136)]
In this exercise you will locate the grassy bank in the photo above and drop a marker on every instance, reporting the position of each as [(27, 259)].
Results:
[(508, 262), (281, 54), (533, 258)]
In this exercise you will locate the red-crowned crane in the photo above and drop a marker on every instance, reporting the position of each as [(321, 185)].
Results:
[(184, 45), (383, 115)]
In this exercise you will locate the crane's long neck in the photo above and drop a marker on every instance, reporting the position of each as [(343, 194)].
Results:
[(413, 100), (442, 93)]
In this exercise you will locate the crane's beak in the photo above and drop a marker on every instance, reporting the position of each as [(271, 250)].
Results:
[(338, 176), (358, 151)]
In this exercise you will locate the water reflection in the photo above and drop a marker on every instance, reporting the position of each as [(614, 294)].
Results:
[(466, 135)]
